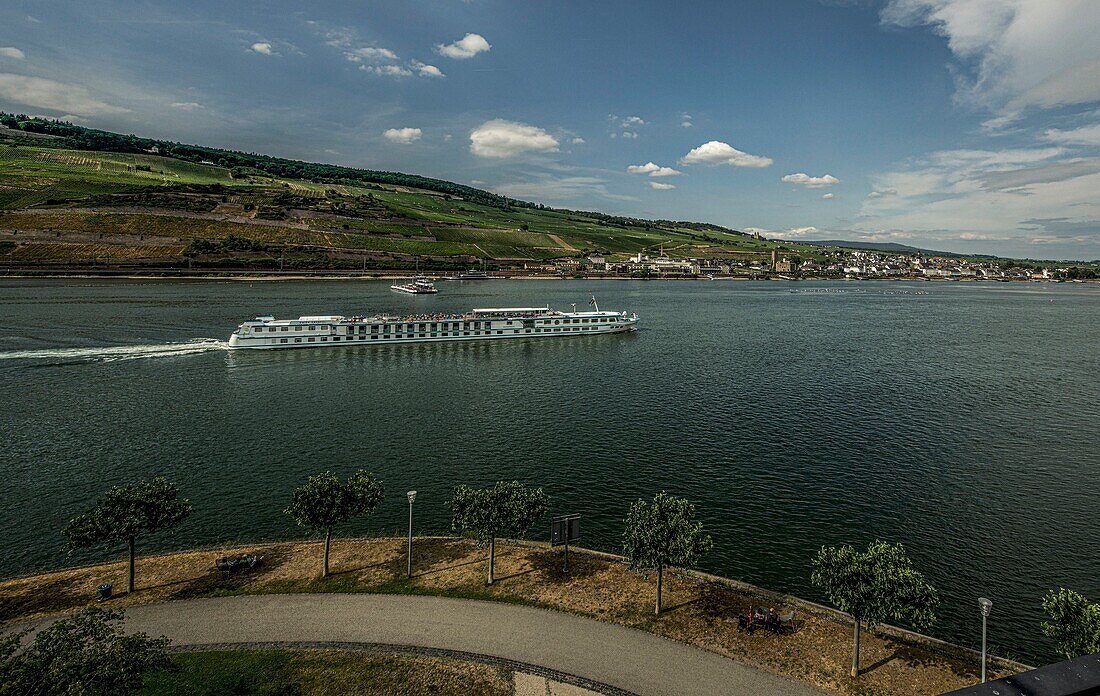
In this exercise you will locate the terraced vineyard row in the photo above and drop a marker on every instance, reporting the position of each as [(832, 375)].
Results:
[(60, 251)]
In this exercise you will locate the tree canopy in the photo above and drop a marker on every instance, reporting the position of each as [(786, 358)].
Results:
[(87, 653), (1074, 623), (124, 512), (507, 507), (663, 532), (876, 585), (324, 500)]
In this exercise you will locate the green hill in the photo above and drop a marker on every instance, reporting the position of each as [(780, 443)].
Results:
[(76, 196)]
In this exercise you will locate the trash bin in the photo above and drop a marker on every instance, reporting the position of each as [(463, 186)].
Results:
[(104, 591)]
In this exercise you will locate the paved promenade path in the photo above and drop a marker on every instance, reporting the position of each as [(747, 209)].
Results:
[(555, 643)]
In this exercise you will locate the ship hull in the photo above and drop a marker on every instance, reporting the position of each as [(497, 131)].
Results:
[(235, 344)]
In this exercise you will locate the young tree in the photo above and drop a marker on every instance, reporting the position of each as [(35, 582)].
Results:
[(662, 533), (86, 653), (875, 585), (124, 512), (325, 501), (485, 513), (1074, 623)]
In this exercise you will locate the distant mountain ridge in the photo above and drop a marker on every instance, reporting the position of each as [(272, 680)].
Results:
[(884, 246)]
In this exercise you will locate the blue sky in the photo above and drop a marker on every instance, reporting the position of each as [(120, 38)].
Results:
[(967, 125)]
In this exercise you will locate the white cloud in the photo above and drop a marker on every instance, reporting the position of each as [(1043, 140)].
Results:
[(500, 138), (630, 135), (1041, 53), (828, 197), (466, 47), (631, 122), (404, 136), (652, 169), (187, 106), (569, 188), (685, 121), (262, 47), (660, 186), (369, 53), (884, 192), (577, 141), (54, 96), (11, 52), (390, 70), (716, 152), (790, 233), (1085, 135), (425, 70), (808, 181), (952, 193)]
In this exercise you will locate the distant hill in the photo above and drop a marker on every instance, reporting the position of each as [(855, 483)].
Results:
[(884, 246), (76, 196)]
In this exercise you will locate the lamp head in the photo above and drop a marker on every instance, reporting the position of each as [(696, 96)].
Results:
[(985, 605), (412, 496)]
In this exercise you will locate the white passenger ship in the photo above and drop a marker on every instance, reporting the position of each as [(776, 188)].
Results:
[(419, 286), (479, 324)]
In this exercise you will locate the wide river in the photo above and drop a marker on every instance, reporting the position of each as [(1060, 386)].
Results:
[(960, 419)]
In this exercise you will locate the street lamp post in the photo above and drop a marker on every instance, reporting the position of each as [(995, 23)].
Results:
[(412, 497), (986, 606)]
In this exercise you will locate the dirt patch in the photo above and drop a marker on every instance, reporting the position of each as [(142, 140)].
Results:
[(700, 613)]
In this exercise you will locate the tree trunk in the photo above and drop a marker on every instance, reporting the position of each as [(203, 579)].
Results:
[(328, 542), (855, 651), (660, 579), (130, 579), (492, 557)]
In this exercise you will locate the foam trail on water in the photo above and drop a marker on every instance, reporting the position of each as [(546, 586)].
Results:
[(117, 353)]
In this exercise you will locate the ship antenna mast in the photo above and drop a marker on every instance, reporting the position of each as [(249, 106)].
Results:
[(593, 303)]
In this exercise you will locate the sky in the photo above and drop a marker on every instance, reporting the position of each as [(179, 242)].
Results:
[(962, 125)]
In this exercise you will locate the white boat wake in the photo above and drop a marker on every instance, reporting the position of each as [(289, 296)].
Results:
[(117, 353)]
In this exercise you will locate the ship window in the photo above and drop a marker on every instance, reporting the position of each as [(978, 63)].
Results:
[(434, 334), (312, 328), (282, 340), (465, 333), (324, 338), (297, 328), (421, 334), (283, 329), (555, 322), (297, 339), (312, 339)]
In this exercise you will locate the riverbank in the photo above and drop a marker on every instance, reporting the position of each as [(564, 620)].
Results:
[(264, 276), (702, 610)]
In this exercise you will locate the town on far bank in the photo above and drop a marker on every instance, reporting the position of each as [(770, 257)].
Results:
[(829, 263)]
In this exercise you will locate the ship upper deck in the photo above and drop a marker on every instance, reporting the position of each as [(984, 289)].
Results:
[(476, 314)]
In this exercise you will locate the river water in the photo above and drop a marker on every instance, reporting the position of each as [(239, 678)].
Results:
[(960, 419)]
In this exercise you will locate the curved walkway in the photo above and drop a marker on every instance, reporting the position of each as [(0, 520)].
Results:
[(597, 653)]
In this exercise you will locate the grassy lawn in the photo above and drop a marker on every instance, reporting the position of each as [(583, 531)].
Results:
[(700, 612), (323, 673)]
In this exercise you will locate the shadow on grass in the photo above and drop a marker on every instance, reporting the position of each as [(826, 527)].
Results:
[(214, 582), (718, 601), (550, 563), (681, 605), (428, 555), (36, 597)]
